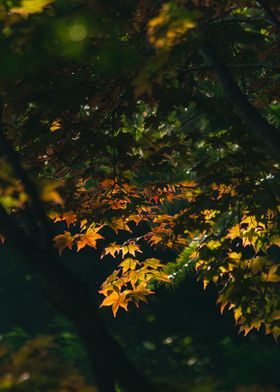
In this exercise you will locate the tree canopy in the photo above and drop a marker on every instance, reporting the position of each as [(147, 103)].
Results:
[(131, 127)]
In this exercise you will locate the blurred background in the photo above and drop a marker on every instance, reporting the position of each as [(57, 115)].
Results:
[(179, 339)]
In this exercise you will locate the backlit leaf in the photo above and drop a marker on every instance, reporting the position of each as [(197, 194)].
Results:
[(89, 238), (30, 7)]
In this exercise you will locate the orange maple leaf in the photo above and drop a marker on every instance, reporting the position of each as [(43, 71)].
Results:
[(112, 249), (89, 238), (115, 300)]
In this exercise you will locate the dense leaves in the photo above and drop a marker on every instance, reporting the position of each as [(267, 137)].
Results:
[(120, 123)]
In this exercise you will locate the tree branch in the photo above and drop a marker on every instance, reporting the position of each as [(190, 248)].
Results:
[(241, 106), (270, 14), (29, 187), (73, 298)]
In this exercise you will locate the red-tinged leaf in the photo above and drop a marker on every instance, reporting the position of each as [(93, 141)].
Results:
[(63, 241)]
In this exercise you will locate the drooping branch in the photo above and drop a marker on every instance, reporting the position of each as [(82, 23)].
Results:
[(242, 107), (73, 298), (66, 291), (70, 295)]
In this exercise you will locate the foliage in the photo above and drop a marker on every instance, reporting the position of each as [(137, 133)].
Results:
[(35, 365), (121, 125)]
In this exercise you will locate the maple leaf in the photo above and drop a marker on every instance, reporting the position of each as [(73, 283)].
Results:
[(129, 264), (63, 241), (233, 232), (130, 248), (70, 217), (116, 300), (111, 249), (56, 125), (153, 263), (119, 224), (257, 264), (140, 292), (136, 218), (271, 276), (89, 238)]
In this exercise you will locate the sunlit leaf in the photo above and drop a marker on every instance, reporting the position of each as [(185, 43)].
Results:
[(88, 238), (30, 7)]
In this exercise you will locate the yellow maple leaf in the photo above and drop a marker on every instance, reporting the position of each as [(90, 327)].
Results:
[(276, 332), (130, 248), (153, 263), (233, 232), (28, 7), (234, 256), (111, 249), (129, 264), (55, 126), (89, 238), (271, 276), (168, 26), (257, 264), (237, 312), (48, 192)]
